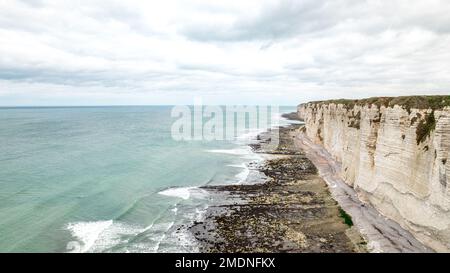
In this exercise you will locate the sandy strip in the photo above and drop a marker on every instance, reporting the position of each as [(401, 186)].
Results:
[(382, 234)]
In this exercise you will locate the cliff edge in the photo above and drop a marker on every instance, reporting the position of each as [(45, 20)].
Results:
[(395, 153)]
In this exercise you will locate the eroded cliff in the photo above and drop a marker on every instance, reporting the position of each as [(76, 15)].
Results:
[(395, 153)]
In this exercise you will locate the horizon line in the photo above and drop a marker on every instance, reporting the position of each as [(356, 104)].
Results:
[(129, 105)]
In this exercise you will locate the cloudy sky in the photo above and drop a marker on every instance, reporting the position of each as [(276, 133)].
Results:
[(234, 52)]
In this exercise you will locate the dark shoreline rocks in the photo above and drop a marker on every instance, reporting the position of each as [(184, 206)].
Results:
[(292, 211), (291, 116)]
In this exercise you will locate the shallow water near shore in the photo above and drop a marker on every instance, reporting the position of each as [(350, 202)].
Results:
[(106, 179)]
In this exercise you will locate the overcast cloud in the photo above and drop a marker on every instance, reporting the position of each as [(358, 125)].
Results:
[(253, 51)]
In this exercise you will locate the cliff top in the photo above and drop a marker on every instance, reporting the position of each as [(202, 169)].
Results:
[(408, 102)]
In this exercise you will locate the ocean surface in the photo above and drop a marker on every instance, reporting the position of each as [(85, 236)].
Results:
[(107, 179)]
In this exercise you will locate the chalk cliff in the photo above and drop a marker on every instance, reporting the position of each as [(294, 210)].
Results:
[(395, 153)]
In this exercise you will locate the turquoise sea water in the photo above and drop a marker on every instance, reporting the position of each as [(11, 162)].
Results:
[(100, 179)]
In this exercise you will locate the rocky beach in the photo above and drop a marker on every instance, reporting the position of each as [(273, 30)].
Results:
[(290, 210)]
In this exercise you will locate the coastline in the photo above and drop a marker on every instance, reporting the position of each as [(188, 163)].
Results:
[(291, 210), (301, 206)]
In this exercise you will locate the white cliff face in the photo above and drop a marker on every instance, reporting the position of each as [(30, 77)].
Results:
[(405, 179)]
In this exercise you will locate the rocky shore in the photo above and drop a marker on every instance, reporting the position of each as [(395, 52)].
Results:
[(291, 210)]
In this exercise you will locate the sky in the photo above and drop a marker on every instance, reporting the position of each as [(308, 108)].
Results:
[(97, 52)]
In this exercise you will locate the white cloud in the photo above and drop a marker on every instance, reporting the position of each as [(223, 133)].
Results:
[(126, 52)]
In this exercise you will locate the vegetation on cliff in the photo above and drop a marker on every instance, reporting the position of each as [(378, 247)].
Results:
[(425, 127), (347, 218), (407, 102)]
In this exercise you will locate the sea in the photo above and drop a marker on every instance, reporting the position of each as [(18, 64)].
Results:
[(109, 178)]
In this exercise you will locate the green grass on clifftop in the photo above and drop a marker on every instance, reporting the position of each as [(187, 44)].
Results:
[(407, 102)]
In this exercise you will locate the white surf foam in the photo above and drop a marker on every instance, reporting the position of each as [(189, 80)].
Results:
[(88, 232), (250, 135), (178, 238), (180, 192), (112, 236), (241, 176), (237, 165), (103, 236), (237, 151), (184, 192), (165, 227)]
